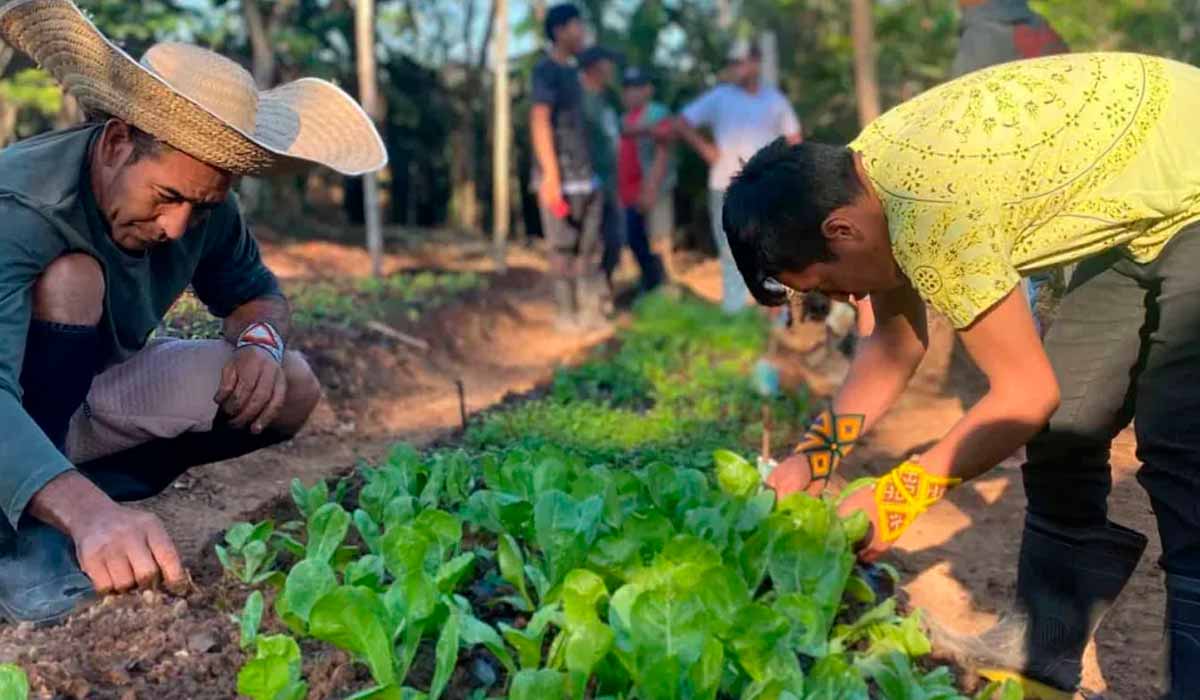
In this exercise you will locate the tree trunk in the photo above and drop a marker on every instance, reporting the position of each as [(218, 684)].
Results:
[(69, 114), (501, 134), (724, 14), (865, 81), (769, 47), (364, 26), (8, 123), (464, 204), (6, 56), (262, 55)]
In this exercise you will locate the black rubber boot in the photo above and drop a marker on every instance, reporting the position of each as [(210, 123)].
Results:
[(1067, 579), (40, 581), (1183, 637)]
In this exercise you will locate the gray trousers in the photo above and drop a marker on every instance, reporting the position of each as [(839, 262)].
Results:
[(735, 296), (1126, 341)]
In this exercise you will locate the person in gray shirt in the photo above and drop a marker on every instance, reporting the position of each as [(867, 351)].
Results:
[(102, 227)]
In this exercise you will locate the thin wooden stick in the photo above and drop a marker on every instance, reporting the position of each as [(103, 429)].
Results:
[(384, 329), (462, 402), (766, 438)]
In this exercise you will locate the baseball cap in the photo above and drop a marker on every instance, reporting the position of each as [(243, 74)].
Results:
[(742, 50), (595, 54), (635, 76)]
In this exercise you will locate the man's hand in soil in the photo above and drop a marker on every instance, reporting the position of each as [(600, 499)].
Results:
[(118, 547), (794, 474), (253, 387)]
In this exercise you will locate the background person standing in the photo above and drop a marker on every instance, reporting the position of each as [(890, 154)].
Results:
[(744, 115), (999, 31), (646, 179), (597, 69), (569, 197)]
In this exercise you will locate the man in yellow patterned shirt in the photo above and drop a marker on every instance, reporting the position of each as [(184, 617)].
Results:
[(947, 201)]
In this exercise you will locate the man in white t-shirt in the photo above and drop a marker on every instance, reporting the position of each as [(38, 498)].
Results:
[(744, 115)]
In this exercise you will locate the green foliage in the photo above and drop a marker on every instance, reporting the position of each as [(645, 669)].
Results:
[(625, 576), (274, 672), (14, 685), (675, 391), (250, 619), (247, 553), (32, 89)]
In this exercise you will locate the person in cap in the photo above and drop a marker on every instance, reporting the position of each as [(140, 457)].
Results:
[(646, 178), (948, 200), (597, 66), (104, 226), (744, 115), (569, 195)]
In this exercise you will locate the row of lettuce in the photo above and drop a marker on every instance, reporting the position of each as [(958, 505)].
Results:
[(595, 542)]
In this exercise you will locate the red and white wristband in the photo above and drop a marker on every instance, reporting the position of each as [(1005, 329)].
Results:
[(261, 334)]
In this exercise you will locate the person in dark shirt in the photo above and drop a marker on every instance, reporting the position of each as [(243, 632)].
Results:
[(999, 31), (597, 69), (102, 227), (569, 193)]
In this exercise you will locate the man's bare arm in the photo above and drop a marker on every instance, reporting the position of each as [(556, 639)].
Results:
[(1022, 393), (273, 309), (542, 136), (690, 134)]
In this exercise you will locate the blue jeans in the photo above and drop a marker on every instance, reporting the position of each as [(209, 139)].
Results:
[(734, 293), (639, 242)]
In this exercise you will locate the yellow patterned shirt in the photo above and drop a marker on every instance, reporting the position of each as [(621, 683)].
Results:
[(1033, 164)]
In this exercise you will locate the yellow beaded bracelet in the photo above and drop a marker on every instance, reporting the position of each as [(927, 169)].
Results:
[(904, 493)]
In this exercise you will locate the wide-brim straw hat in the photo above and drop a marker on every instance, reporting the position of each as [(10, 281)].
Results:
[(197, 100)]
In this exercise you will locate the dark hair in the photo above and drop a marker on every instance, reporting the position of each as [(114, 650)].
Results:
[(144, 144), (558, 16), (595, 54), (775, 206)]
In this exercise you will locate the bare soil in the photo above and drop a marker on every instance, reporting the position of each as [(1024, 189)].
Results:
[(958, 561)]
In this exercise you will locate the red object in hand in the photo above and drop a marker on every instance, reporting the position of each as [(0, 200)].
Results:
[(664, 130), (561, 209)]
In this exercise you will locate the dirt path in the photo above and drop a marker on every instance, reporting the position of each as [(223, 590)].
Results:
[(959, 559)]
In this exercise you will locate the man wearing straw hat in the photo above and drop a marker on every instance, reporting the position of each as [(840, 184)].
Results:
[(102, 226)]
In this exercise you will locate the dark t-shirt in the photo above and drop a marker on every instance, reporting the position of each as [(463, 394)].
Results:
[(603, 131), (47, 209), (557, 85)]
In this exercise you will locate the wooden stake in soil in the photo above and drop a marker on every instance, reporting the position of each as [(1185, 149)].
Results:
[(766, 438), (462, 403)]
